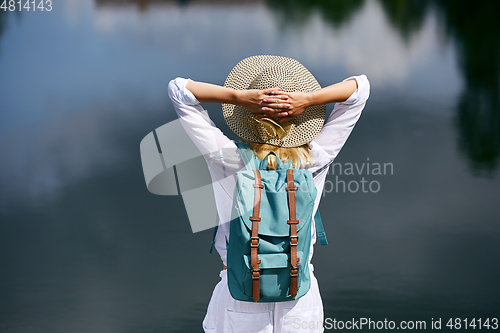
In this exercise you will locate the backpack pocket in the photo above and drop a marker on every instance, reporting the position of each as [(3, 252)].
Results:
[(274, 276)]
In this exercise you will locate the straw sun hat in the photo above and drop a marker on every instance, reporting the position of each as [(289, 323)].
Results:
[(266, 71)]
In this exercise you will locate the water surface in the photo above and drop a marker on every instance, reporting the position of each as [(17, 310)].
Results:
[(85, 248)]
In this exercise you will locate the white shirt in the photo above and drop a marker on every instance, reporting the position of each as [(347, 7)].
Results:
[(223, 161)]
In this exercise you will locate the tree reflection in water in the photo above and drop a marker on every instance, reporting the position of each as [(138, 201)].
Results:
[(407, 16), (472, 25), (475, 29), (336, 13), (3, 23)]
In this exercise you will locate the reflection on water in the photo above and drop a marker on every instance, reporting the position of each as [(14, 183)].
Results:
[(144, 5), (85, 248), (293, 12), (407, 17), (478, 117), (476, 30), (478, 108), (3, 23)]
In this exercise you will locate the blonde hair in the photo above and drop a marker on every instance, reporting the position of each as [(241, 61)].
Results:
[(298, 156)]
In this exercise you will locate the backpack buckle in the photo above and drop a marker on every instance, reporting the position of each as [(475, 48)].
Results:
[(254, 239), (292, 274)]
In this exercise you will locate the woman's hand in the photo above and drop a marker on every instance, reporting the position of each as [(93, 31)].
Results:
[(297, 102), (267, 103), (273, 99)]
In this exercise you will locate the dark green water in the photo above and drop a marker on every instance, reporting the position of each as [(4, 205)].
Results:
[(84, 247)]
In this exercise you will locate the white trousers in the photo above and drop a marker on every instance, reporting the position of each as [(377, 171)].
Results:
[(227, 315)]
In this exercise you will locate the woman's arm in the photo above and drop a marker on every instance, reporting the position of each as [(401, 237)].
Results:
[(253, 100), (272, 102)]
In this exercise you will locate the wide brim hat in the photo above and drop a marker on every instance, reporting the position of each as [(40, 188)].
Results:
[(267, 71)]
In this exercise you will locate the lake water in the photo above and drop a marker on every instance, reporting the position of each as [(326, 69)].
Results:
[(84, 247)]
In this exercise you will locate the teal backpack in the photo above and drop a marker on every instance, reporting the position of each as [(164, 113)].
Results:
[(270, 231)]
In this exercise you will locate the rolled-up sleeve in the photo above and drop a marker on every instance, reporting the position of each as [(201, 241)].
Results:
[(195, 120), (341, 121)]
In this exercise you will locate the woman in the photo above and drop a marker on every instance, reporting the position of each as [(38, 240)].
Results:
[(275, 104)]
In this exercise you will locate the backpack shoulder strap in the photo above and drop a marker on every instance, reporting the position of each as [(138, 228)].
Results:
[(248, 157), (319, 229), (213, 239), (215, 234)]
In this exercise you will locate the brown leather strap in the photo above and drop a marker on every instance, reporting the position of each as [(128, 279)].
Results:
[(294, 269), (254, 240)]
